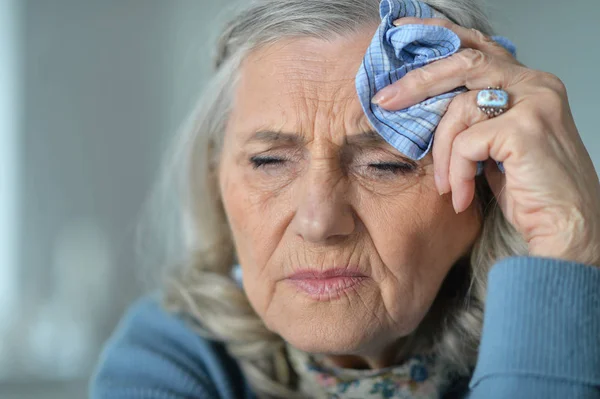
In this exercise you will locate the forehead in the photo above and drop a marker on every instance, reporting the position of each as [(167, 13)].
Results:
[(327, 65), (302, 81)]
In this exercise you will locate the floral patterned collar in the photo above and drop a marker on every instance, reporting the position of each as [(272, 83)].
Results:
[(414, 379)]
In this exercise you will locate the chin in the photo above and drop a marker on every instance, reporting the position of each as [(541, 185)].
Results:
[(327, 343), (341, 326), (329, 335)]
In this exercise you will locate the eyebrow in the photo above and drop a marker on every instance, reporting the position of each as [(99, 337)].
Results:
[(274, 136)]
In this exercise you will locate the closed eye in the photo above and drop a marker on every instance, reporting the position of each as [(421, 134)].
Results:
[(258, 162), (393, 167), (386, 167)]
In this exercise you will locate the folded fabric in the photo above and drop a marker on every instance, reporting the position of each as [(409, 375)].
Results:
[(395, 51)]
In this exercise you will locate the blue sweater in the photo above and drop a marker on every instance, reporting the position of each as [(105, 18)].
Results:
[(541, 339)]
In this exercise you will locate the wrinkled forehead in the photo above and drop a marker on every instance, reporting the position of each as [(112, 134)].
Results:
[(302, 81)]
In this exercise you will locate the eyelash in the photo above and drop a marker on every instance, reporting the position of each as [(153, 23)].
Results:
[(391, 167), (258, 162)]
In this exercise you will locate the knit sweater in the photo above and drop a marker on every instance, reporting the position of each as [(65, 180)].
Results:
[(541, 339)]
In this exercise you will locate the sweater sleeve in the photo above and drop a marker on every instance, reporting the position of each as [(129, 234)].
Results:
[(541, 331), (154, 355)]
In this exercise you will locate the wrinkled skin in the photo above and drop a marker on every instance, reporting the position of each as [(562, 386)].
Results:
[(550, 192), (327, 197), (325, 200)]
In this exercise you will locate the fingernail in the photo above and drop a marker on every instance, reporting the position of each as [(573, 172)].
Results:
[(382, 96), (396, 22), (438, 184), (454, 203)]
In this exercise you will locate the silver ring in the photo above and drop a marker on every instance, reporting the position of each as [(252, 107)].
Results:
[(493, 101)]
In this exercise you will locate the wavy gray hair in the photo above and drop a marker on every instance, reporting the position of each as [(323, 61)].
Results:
[(202, 288)]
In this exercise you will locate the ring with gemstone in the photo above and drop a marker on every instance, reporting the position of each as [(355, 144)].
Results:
[(493, 101)]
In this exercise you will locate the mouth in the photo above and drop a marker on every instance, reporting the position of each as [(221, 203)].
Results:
[(326, 285)]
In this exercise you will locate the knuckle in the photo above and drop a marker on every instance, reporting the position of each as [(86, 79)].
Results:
[(531, 123), (522, 74), (515, 145), (472, 58), (423, 75), (519, 138), (446, 24), (549, 78), (551, 95), (552, 101), (482, 37), (459, 143), (552, 81), (487, 42)]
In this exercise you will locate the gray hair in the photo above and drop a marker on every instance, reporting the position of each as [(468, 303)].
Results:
[(202, 288)]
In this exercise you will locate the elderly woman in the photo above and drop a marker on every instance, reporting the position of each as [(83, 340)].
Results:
[(372, 264)]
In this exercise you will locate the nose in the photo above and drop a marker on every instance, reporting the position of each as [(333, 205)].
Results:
[(323, 211)]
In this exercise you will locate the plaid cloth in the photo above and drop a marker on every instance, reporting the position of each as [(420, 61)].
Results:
[(395, 51)]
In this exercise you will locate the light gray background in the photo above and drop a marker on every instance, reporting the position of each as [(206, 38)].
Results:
[(100, 88)]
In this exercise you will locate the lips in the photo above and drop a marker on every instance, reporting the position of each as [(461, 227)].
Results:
[(326, 285)]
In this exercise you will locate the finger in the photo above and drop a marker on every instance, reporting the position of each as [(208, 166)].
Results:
[(471, 68), (462, 180), (478, 143), (461, 114), (471, 38)]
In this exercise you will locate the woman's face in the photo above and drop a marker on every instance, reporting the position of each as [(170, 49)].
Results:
[(343, 241)]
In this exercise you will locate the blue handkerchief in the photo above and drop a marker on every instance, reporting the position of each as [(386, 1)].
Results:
[(395, 51)]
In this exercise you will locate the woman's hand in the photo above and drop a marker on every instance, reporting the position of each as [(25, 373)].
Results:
[(550, 190)]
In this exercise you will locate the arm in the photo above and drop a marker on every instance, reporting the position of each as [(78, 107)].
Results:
[(541, 333), (154, 355)]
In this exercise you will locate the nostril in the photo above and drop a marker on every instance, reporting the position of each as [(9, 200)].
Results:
[(325, 222)]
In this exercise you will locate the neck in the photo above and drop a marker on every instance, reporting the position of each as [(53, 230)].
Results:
[(359, 362), (387, 356)]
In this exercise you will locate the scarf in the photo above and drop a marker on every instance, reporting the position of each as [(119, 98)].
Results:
[(416, 378)]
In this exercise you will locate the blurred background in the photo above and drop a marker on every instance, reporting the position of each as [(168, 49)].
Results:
[(90, 93)]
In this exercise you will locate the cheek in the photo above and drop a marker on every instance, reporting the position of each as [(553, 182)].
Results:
[(257, 219), (421, 223), (398, 222), (419, 237), (234, 197), (244, 209)]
